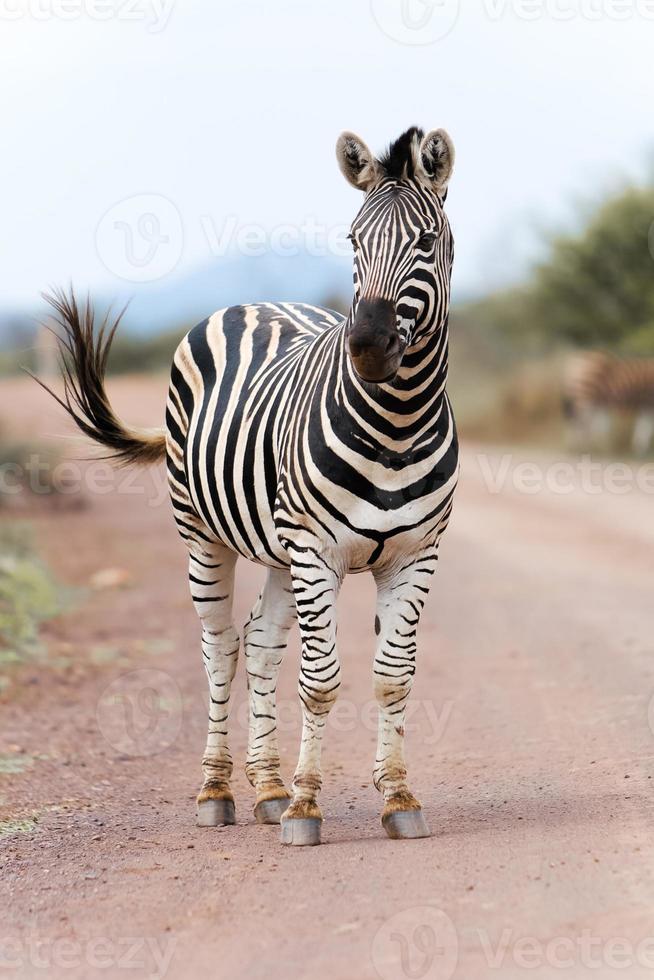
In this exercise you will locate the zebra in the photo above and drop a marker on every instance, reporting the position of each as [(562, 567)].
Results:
[(597, 384), (316, 445)]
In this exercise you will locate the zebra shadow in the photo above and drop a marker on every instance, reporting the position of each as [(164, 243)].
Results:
[(507, 815)]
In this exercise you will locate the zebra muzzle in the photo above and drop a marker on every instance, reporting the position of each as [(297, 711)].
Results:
[(373, 341)]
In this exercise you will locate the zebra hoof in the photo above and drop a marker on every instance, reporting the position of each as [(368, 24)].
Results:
[(270, 811), (301, 831), (405, 825), (213, 813)]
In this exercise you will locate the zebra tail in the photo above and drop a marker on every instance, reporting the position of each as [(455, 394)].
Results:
[(83, 363)]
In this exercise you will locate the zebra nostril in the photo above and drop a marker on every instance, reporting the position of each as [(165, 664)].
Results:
[(354, 347), (392, 345)]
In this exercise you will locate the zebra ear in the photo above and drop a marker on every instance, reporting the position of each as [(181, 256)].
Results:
[(357, 163), (436, 157)]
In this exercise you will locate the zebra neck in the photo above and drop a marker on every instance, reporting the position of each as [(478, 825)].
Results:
[(414, 401), (425, 364)]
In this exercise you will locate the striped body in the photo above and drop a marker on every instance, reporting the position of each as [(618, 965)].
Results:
[(597, 378), (598, 385), (315, 445), (271, 434)]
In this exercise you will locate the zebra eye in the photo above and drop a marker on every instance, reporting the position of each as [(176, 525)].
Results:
[(352, 240), (427, 240)]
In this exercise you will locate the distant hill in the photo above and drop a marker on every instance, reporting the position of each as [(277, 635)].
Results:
[(237, 279), (186, 298)]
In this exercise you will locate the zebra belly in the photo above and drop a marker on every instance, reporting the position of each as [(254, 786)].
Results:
[(365, 534), (247, 505)]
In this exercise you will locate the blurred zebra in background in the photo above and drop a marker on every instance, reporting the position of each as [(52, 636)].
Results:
[(598, 386)]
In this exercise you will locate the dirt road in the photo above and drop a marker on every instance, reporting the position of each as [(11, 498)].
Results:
[(530, 745)]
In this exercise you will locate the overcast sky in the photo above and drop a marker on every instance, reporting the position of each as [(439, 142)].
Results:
[(167, 129)]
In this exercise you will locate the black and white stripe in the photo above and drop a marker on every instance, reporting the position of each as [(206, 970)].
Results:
[(315, 445), (598, 385)]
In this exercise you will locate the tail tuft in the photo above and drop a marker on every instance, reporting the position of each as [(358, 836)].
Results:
[(84, 361)]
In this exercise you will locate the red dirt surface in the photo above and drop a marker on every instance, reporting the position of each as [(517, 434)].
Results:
[(530, 746)]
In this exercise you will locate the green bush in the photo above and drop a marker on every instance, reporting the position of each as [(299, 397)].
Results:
[(29, 594), (594, 289)]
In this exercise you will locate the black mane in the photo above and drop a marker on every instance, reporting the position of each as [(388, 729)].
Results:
[(399, 160)]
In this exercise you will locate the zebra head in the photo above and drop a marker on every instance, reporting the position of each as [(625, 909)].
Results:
[(402, 247)]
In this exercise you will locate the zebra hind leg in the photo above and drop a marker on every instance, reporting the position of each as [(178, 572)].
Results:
[(400, 599), (641, 440), (265, 638), (211, 578)]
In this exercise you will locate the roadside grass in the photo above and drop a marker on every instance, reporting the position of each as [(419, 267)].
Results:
[(29, 596), (519, 405), (27, 825)]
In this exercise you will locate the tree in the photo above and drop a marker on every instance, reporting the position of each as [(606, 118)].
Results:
[(597, 288)]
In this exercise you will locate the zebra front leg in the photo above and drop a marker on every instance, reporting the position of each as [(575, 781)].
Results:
[(211, 578), (400, 598), (265, 638), (601, 426), (316, 587)]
